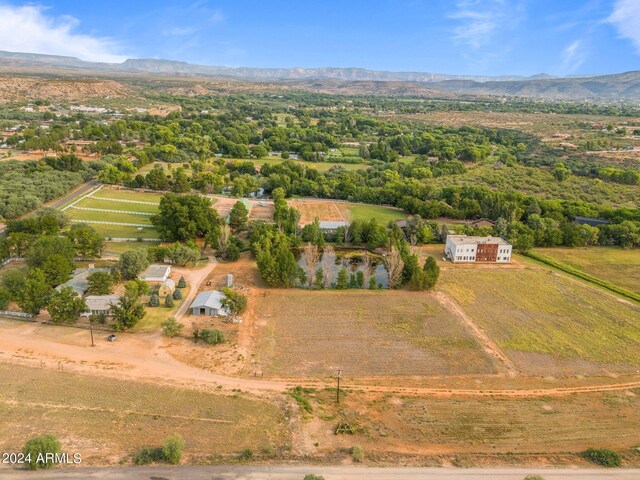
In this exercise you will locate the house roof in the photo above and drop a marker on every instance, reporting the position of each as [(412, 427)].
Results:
[(169, 283), (155, 271), (101, 302), (208, 299), (467, 240), (594, 222), (80, 280), (331, 225)]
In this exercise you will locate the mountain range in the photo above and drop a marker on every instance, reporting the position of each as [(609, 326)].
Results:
[(625, 86)]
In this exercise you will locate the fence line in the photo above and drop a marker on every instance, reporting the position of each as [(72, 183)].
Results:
[(124, 239), (99, 222), (125, 201), (111, 211), (9, 313)]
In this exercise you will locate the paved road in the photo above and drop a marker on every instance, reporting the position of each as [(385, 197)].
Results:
[(77, 193), (329, 473)]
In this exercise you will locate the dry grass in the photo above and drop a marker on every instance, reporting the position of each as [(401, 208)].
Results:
[(615, 265), (108, 419), (415, 425), (365, 333), (547, 322)]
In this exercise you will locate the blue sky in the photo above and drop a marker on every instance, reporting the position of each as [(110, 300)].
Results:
[(483, 37)]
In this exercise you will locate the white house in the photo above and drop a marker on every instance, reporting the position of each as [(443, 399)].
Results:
[(155, 273), (208, 303), (331, 227), (100, 304), (462, 248)]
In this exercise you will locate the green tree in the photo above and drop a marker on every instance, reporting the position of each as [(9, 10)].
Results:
[(37, 448), (35, 293), (88, 243), (177, 294), (341, 280), (5, 298), (184, 217), (154, 300), (211, 336), (182, 283), (136, 288), (168, 301), (65, 306), (180, 181), (239, 216), (127, 313), (100, 283), (156, 179), (182, 255), (172, 449), (132, 263), (258, 151), (57, 269), (235, 303), (171, 327)]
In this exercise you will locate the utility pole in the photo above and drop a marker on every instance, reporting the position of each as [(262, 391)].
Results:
[(91, 330), (338, 389)]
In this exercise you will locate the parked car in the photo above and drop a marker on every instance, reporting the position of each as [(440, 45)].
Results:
[(111, 338)]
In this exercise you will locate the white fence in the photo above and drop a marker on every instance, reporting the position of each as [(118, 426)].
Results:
[(111, 211), (9, 313), (109, 199), (100, 222)]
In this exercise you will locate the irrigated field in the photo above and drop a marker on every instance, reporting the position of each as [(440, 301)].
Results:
[(615, 265), (548, 322), (128, 213), (365, 333), (107, 419)]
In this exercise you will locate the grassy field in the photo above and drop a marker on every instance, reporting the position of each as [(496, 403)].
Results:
[(364, 333), (106, 199), (460, 426), (117, 248), (156, 315), (382, 214), (111, 205), (128, 195), (616, 265), (547, 321), (107, 419)]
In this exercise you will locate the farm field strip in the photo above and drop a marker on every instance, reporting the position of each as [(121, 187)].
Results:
[(114, 217), (560, 326)]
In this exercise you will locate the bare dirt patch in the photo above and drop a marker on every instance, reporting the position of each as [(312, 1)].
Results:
[(324, 211)]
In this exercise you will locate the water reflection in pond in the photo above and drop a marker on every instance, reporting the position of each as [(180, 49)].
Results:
[(352, 260)]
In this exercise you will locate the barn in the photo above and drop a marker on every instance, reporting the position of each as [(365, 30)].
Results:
[(208, 303)]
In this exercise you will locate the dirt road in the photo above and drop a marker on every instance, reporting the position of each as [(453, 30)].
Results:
[(193, 278), (144, 358), (329, 473), (502, 362)]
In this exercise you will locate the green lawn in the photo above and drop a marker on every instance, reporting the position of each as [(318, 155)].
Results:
[(156, 315), (121, 231), (124, 217), (382, 214), (168, 168), (535, 309), (615, 265), (90, 202), (108, 192), (117, 248)]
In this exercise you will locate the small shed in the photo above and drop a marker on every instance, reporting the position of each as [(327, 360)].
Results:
[(167, 288), (228, 280), (155, 273), (208, 303)]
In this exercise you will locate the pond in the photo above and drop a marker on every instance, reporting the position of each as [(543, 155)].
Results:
[(352, 260)]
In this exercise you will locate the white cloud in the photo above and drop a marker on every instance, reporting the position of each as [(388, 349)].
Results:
[(479, 20), (573, 56), (27, 29), (626, 18), (179, 31)]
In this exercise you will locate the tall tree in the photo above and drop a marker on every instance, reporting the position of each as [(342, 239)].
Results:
[(132, 263), (239, 216), (184, 217), (35, 293), (65, 305), (395, 265)]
